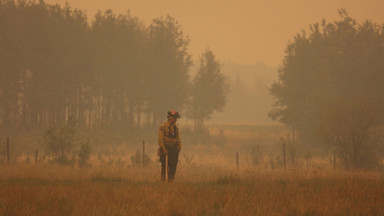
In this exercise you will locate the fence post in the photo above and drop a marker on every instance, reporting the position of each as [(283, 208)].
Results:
[(237, 160), (7, 150), (143, 157), (334, 161), (284, 158), (36, 154)]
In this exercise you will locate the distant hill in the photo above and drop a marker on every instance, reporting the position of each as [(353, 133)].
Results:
[(249, 100)]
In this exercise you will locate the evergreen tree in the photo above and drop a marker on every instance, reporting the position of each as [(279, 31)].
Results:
[(209, 90)]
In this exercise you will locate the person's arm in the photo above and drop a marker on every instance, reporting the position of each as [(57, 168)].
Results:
[(178, 141), (161, 139)]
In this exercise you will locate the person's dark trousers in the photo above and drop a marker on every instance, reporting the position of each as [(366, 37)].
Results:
[(173, 157)]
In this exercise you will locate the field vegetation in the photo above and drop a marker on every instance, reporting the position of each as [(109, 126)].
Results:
[(198, 190), (208, 182)]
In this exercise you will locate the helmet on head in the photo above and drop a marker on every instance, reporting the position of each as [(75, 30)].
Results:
[(173, 114)]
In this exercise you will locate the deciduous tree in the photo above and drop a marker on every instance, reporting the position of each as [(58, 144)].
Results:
[(336, 61)]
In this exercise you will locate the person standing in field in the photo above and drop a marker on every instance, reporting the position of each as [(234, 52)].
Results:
[(169, 145)]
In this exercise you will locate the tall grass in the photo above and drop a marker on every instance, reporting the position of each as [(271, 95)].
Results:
[(197, 190), (207, 182)]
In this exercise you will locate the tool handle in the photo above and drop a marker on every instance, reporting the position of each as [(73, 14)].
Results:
[(166, 167)]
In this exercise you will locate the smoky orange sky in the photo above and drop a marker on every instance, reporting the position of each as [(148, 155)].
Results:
[(241, 31)]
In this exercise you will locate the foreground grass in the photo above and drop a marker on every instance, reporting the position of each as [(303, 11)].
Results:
[(196, 191)]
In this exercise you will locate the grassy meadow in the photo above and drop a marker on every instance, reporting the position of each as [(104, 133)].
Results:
[(197, 190), (207, 182)]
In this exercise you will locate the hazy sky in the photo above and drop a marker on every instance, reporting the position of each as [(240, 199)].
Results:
[(241, 31)]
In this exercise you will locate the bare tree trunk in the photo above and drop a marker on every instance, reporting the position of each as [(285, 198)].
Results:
[(138, 116), (130, 114)]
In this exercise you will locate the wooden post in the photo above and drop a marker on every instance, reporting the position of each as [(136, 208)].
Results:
[(293, 136), (143, 157), (237, 160), (36, 154), (166, 168), (7, 150), (284, 158), (334, 161)]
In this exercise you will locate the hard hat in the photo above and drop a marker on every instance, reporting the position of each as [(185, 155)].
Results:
[(173, 114)]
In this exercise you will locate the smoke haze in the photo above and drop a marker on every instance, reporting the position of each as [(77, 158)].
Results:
[(245, 31)]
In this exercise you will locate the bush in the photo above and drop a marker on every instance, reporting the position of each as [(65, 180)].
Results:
[(137, 159), (84, 154), (59, 142)]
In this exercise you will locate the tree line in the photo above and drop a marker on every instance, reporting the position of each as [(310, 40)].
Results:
[(114, 72), (330, 90)]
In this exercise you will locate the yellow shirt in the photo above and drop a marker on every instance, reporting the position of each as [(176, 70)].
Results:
[(168, 136)]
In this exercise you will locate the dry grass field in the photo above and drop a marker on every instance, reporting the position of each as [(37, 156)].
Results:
[(207, 182), (197, 190)]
